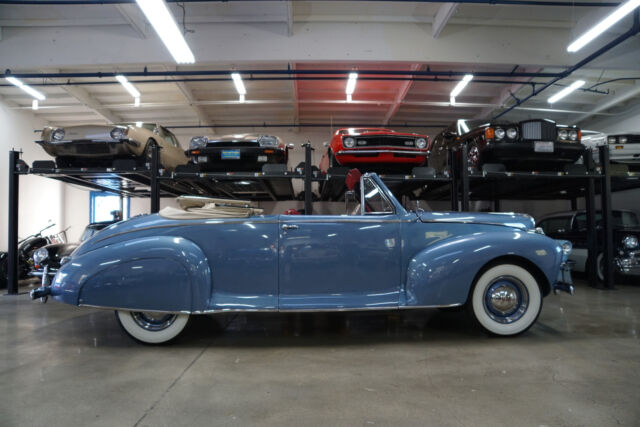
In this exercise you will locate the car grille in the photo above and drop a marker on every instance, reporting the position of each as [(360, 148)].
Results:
[(229, 144), (632, 139), (539, 130), (396, 141)]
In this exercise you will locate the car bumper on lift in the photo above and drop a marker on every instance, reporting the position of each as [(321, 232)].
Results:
[(90, 148), (564, 282), (624, 153), (629, 264), (378, 155), (525, 152), (236, 158)]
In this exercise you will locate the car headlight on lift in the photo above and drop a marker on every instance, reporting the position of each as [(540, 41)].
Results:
[(573, 135), (40, 256), (57, 134), (198, 142), (421, 143), (563, 134), (118, 133), (612, 140), (500, 133), (622, 140), (630, 242), (349, 142), (512, 133)]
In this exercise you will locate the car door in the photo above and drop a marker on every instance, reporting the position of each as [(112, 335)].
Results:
[(340, 262)]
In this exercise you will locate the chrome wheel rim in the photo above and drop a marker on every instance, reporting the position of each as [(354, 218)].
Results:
[(473, 155), (506, 299), (153, 321)]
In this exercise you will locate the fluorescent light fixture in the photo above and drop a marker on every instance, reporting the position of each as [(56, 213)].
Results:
[(136, 101), (452, 100), (602, 26), (461, 85), (566, 91), (34, 104), (237, 80), (349, 98), (165, 25), (138, 124), (31, 91), (241, 99), (128, 86), (351, 83)]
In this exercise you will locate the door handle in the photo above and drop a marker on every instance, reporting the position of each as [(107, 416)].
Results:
[(286, 227)]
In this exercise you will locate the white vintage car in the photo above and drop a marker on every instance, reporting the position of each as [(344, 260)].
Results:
[(623, 148)]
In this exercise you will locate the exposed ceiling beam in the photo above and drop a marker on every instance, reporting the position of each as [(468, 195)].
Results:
[(442, 18), (134, 17), (84, 97), (296, 99), (401, 94), (627, 94), (289, 12), (503, 96)]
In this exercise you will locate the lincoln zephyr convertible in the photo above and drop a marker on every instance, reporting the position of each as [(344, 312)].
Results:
[(214, 255)]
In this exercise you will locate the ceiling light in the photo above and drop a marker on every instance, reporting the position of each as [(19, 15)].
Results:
[(162, 21), (351, 83), (136, 101), (461, 85), (566, 91), (452, 100), (138, 124), (34, 104), (128, 86), (237, 80), (349, 98), (31, 91), (602, 26), (241, 99)]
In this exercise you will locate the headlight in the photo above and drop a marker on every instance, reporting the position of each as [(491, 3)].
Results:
[(198, 142), (563, 134), (268, 141), (512, 133), (58, 134), (500, 133), (612, 140), (623, 140), (40, 255), (573, 135), (349, 142), (630, 242), (118, 133), (421, 143), (566, 248)]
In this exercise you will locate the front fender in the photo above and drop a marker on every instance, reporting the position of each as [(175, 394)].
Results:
[(442, 274), (157, 273)]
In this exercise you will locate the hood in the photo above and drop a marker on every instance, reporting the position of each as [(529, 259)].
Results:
[(521, 221)]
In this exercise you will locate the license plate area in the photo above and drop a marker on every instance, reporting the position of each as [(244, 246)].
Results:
[(543, 146), (230, 154)]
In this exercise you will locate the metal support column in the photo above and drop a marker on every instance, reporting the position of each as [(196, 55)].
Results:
[(496, 205), (574, 203), (592, 235), (464, 177), (308, 200), (607, 219), (453, 163), (155, 187), (12, 258)]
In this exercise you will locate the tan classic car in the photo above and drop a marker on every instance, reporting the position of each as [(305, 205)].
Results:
[(100, 145)]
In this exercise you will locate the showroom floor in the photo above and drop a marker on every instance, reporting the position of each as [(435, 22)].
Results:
[(579, 365)]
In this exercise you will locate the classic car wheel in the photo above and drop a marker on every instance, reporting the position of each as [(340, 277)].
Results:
[(600, 266), (506, 300), (473, 157), (150, 327)]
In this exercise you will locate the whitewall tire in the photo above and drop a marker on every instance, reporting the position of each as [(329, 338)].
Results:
[(150, 327), (506, 300)]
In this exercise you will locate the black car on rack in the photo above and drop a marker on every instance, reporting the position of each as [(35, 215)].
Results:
[(531, 145), (572, 226), (239, 152)]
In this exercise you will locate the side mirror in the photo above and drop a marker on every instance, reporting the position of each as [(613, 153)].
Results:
[(290, 146)]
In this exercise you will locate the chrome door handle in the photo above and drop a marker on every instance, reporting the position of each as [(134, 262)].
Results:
[(286, 227)]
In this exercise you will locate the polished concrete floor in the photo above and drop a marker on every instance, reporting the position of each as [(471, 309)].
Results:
[(578, 366)]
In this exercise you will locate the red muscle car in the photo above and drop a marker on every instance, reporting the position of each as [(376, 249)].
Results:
[(375, 149)]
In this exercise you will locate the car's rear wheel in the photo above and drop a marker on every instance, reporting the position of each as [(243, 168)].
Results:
[(152, 327), (506, 300)]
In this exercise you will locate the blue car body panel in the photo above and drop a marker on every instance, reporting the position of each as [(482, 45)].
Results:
[(288, 262)]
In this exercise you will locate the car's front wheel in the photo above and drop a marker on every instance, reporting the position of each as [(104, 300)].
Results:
[(152, 327), (506, 300)]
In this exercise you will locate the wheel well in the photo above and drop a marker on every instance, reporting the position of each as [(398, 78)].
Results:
[(545, 287)]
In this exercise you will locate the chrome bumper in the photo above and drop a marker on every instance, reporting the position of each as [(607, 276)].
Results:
[(412, 152), (630, 264), (564, 282)]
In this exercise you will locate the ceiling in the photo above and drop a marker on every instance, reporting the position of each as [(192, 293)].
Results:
[(410, 37)]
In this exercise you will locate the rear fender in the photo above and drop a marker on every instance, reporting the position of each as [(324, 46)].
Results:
[(443, 274), (158, 273)]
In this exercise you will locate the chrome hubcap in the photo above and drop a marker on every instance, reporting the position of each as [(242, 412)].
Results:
[(153, 321), (506, 299)]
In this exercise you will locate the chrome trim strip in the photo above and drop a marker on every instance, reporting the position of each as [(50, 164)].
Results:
[(357, 151), (457, 221)]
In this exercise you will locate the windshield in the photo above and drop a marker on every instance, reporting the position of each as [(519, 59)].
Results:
[(621, 219), (374, 201)]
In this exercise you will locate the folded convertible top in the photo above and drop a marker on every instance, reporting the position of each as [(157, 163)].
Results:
[(194, 207)]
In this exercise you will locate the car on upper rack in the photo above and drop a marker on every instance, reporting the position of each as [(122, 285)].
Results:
[(531, 145), (218, 256), (624, 148), (572, 226), (239, 152), (99, 145), (375, 150)]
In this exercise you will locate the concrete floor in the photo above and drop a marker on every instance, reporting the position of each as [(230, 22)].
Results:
[(579, 365)]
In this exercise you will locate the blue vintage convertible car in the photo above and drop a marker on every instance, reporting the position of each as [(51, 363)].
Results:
[(157, 270)]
